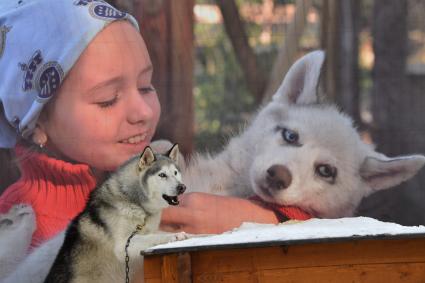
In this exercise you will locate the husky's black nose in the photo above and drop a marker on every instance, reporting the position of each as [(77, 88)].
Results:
[(278, 177), (180, 189)]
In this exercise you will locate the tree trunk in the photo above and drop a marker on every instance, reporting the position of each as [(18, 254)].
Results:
[(390, 100), (245, 55), (167, 28), (289, 50), (340, 27), (397, 110)]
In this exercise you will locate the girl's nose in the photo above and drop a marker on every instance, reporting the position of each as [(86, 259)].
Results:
[(140, 108)]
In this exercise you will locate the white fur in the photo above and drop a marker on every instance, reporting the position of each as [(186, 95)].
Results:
[(34, 268), (16, 228)]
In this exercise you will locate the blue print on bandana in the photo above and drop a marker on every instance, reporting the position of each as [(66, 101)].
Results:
[(85, 2), (3, 31), (30, 68), (104, 11), (48, 79)]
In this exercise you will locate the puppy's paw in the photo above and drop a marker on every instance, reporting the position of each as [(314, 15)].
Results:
[(20, 217), (180, 236), (16, 229)]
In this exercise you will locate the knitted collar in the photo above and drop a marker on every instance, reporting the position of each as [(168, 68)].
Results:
[(57, 191), (51, 181)]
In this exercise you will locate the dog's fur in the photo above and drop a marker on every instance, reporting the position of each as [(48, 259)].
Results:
[(93, 249), (261, 160), (16, 226)]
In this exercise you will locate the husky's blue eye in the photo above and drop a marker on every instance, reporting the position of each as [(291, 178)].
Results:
[(162, 175), (290, 136)]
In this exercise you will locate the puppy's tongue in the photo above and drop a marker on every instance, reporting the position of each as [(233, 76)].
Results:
[(171, 200), (285, 212)]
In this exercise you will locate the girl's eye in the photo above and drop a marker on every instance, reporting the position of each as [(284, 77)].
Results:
[(162, 175), (145, 90), (108, 103)]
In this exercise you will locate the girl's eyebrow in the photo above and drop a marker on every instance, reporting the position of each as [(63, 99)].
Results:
[(117, 80), (112, 81)]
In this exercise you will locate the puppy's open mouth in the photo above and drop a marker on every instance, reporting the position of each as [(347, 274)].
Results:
[(171, 200)]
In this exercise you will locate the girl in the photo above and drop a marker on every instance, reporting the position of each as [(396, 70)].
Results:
[(77, 102)]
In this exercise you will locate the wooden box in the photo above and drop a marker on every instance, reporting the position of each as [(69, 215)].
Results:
[(377, 258)]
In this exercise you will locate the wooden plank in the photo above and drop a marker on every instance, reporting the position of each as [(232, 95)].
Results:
[(396, 260), (152, 267), (309, 255), (166, 268), (169, 268), (184, 268), (391, 273)]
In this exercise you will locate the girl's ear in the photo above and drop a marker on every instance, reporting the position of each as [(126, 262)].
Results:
[(173, 153), (39, 136)]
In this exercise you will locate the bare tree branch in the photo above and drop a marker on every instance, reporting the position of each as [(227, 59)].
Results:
[(245, 55)]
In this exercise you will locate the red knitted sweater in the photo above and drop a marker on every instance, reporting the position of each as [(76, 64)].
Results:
[(56, 190)]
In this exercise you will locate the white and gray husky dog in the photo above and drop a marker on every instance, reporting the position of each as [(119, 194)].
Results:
[(296, 152), (300, 152), (94, 244)]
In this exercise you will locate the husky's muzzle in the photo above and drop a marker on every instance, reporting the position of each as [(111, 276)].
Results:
[(173, 200)]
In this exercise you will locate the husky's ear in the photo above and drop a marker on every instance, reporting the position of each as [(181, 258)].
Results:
[(147, 158), (384, 173), (173, 153), (300, 83)]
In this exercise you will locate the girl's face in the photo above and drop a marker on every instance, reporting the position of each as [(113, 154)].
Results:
[(106, 109)]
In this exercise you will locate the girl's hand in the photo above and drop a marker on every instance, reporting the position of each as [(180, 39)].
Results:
[(200, 213)]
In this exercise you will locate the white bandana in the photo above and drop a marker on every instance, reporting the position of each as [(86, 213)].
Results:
[(40, 40)]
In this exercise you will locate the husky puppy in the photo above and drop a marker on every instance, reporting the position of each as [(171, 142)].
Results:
[(94, 246), (300, 152)]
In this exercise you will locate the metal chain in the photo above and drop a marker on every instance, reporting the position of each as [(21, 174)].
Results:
[(127, 258)]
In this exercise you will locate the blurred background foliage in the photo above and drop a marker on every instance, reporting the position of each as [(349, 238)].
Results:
[(223, 103), (220, 93)]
